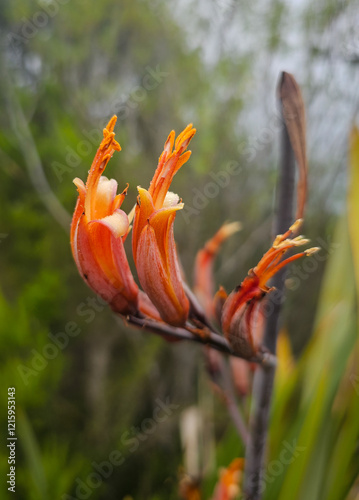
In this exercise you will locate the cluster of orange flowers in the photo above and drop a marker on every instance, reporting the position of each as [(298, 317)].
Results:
[(100, 228), (227, 487)]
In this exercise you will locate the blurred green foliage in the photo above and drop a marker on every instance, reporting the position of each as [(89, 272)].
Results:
[(62, 76)]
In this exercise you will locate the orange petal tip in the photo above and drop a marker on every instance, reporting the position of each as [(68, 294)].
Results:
[(111, 124)]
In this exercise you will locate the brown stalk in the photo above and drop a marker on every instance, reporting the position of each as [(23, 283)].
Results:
[(293, 147)]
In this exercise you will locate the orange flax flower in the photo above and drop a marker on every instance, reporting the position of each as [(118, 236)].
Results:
[(99, 229), (242, 316), (228, 486), (153, 245), (203, 268)]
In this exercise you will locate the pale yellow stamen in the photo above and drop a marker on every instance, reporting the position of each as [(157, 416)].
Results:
[(296, 242), (297, 224), (171, 200), (132, 214), (311, 251)]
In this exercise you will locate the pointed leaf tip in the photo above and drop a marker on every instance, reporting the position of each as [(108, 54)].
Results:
[(293, 112)]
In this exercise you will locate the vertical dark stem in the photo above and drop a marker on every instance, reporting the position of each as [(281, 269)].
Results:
[(264, 376), (283, 220)]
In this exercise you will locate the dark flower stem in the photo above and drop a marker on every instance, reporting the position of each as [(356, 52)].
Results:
[(232, 404), (222, 378), (209, 338), (264, 376)]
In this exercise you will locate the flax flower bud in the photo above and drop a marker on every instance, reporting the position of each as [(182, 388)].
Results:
[(99, 229), (242, 315), (153, 245), (228, 486), (203, 269)]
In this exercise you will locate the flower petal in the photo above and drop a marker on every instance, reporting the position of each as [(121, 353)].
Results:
[(78, 212), (162, 221), (143, 211), (155, 280), (122, 269), (109, 251), (117, 223), (119, 199), (104, 197), (175, 271), (103, 265), (242, 317), (80, 187), (88, 265), (146, 307)]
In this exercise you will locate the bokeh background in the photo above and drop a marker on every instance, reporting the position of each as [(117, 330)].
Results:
[(66, 66)]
